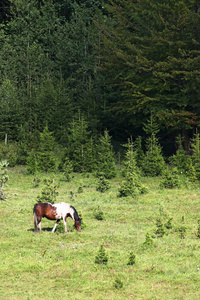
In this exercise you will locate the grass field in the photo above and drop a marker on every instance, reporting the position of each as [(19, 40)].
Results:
[(57, 265)]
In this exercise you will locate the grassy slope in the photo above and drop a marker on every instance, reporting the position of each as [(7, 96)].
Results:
[(50, 266)]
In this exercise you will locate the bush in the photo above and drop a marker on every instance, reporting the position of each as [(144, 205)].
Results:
[(3, 177), (49, 192), (153, 163), (148, 241), (101, 257), (42, 158), (66, 167), (170, 179), (9, 152), (132, 258), (105, 157), (60, 227), (131, 186), (103, 184), (181, 160), (118, 284), (198, 230), (98, 213), (160, 231)]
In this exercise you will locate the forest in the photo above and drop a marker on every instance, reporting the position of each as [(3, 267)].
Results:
[(115, 66), (100, 108)]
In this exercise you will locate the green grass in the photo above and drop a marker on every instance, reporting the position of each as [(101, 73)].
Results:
[(52, 266)]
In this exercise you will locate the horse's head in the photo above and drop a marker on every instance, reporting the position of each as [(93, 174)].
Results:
[(78, 225)]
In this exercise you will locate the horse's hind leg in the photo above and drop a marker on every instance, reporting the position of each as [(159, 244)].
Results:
[(53, 230), (39, 225), (37, 222)]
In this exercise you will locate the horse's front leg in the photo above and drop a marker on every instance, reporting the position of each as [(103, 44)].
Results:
[(53, 230), (65, 223)]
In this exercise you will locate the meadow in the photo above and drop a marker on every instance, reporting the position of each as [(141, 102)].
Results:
[(62, 265)]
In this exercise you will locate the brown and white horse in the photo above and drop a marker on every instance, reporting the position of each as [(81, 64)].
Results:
[(57, 212)]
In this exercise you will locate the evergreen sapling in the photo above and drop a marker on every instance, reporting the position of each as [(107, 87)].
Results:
[(101, 257)]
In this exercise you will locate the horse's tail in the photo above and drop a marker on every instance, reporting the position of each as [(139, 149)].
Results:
[(35, 218)]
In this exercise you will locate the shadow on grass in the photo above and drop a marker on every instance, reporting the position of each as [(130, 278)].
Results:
[(43, 229)]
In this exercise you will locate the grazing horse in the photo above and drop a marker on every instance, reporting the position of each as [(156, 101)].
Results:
[(57, 212)]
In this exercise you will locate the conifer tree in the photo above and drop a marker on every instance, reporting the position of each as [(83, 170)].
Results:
[(195, 146), (181, 160), (130, 159), (3, 177), (105, 157), (170, 179), (45, 154), (150, 51), (132, 185), (139, 153), (80, 150), (153, 163), (42, 158)]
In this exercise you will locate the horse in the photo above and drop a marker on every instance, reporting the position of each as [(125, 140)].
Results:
[(57, 212)]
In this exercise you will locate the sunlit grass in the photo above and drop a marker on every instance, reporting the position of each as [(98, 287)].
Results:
[(50, 266)]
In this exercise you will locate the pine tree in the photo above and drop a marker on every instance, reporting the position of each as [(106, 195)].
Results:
[(105, 157), (3, 178), (195, 146), (149, 52), (170, 179), (153, 163), (181, 160), (130, 159), (43, 158), (81, 148), (45, 154), (49, 192), (139, 153), (101, 257)]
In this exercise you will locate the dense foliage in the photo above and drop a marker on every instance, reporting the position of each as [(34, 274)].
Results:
[(114, 63)]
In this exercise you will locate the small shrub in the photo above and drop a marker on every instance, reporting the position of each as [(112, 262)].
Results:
[(132, 258), (66, 168), (198, 230), (9, 152), (49, 192), (105, 157), (83, 225), (98, 213), (36, 181), (170, 179), (192, 174), (153, 163), (181, 160), (60, 227), (168, 224), (3, 177), (32, 163), (160, 231), (42, 157), (148, 241), (118, 284), (71, 194), (101, 257), (182, 228), (131, 186), (103, 184), (80, 189)]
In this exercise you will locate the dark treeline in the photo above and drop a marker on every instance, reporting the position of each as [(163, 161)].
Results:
[(115, 63)]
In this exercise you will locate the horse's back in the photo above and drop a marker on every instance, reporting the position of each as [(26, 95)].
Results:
[(62, 209), (41, 208)]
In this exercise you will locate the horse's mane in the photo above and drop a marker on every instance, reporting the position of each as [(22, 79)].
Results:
[(76, 216)]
